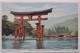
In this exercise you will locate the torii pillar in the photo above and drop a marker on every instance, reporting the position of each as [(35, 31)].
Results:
[(22, 30), (24, 34), (16, 31), (39, 31), (42, 32)]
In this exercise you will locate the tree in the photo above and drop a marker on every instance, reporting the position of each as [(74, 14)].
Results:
[(67, 30), (58, 29), (7, 26), (4, 17), (76, 32), (53, 31), (49, 32), (29, 28), (33, 32), (63, 29)]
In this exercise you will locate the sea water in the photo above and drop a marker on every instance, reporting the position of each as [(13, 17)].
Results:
[(54, 43)]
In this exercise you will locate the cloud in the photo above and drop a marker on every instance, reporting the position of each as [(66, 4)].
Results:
[(15, 7), (62, 9), (59, 9)]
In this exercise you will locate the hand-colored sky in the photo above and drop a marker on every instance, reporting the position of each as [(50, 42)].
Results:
[(59, 9)]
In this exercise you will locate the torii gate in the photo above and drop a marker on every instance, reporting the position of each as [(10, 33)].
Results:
[(21, 30)]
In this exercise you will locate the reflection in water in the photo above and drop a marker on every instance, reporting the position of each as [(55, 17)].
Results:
[(17, 44), (39, 44), (60, 39), (55, 43)]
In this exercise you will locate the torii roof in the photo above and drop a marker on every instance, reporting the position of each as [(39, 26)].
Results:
[(43, 12)]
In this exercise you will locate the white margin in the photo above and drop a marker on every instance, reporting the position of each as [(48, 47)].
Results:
[(34, 1)]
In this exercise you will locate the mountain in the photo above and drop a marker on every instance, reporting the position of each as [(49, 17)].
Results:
[(55, 20), (72, 24), (52, 21)]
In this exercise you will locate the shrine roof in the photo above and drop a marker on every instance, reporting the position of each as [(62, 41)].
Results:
[(43, 12)]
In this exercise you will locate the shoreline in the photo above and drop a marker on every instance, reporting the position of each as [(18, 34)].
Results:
[(31, 38)]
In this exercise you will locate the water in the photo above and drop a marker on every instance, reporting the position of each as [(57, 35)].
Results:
[(54, 43)]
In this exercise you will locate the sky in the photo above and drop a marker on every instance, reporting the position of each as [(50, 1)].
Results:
[(59, 9)]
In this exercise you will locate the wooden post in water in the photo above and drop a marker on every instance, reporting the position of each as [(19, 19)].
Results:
[(42, 34)]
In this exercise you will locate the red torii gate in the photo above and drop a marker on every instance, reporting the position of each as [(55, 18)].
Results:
[(21, 30)]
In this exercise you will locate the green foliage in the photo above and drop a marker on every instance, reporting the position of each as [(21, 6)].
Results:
[(7, 26), (33, 32), (58, 29), (72, 24), (49, 32), (62, 29), (4, 17), (76, 32), (29, 28)]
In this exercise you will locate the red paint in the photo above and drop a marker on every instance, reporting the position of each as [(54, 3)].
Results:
[(22, 29)]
